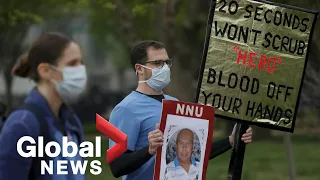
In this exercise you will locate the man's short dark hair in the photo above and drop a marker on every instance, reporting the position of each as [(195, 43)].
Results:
[(139, 53)]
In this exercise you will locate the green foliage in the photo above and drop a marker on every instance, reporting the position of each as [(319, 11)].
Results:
[(142, 19), (18, 12), (141, 10), (17, 15), (264, 160)]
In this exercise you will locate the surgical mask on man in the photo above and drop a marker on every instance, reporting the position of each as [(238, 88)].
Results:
[(73, 84), (160, 78)]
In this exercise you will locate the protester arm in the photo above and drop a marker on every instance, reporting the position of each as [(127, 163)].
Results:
[(219, 147), (129, 162), (123, 119), (12, 164)]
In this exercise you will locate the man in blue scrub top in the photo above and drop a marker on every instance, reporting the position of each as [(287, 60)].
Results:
[(138, 114)]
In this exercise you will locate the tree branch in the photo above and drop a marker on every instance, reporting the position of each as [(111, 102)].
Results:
[(167, 13), (127, 27), (174, 44)]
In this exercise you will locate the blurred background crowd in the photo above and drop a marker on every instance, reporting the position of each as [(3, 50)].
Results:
[(106, 29)]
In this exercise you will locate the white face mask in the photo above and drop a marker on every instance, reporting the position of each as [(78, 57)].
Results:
[(73, 84), (160, 78)]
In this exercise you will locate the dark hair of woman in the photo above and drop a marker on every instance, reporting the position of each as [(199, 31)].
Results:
[(47, 49)]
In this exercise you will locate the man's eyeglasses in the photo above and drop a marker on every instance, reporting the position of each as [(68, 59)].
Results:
[(160, 63)]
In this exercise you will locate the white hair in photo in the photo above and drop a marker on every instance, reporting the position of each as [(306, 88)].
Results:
[(171, 144)]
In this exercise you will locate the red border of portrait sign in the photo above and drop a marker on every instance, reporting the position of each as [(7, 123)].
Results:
[(169, 107)]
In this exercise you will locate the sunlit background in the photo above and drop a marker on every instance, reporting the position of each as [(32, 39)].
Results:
[(106, 29)]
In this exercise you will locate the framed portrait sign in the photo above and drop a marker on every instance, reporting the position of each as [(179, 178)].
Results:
[(188, 131)]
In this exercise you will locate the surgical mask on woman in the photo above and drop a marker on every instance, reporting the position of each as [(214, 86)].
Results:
[(73, 84), (160, 78)]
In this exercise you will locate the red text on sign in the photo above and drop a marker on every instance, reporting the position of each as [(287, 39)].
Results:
[(265, 63)]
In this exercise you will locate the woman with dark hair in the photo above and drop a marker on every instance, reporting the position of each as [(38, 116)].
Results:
[(54, 62)]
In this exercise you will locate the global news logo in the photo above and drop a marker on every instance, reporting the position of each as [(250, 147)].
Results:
[(69, 150)]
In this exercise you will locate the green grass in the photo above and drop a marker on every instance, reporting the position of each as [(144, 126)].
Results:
[(264, 160)]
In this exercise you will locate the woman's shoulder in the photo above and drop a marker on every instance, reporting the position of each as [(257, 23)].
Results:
[(22, 121)]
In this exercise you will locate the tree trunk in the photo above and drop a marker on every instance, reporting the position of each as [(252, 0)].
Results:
[(8, 84), (11, 48), (122, 78), (181, 85), (288, 145), (229, 127), (261, 133)]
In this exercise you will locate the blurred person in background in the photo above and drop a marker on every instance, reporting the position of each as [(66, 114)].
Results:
[(138, 114), (54, 62)]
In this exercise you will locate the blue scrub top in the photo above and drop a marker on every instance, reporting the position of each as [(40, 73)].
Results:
[(137, 115)]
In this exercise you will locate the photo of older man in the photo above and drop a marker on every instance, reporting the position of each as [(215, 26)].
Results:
[(184, 166)]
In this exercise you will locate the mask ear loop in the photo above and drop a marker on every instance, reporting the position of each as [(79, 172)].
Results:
[(54, 67), (140, 81), (143, 67), (57, 69)]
